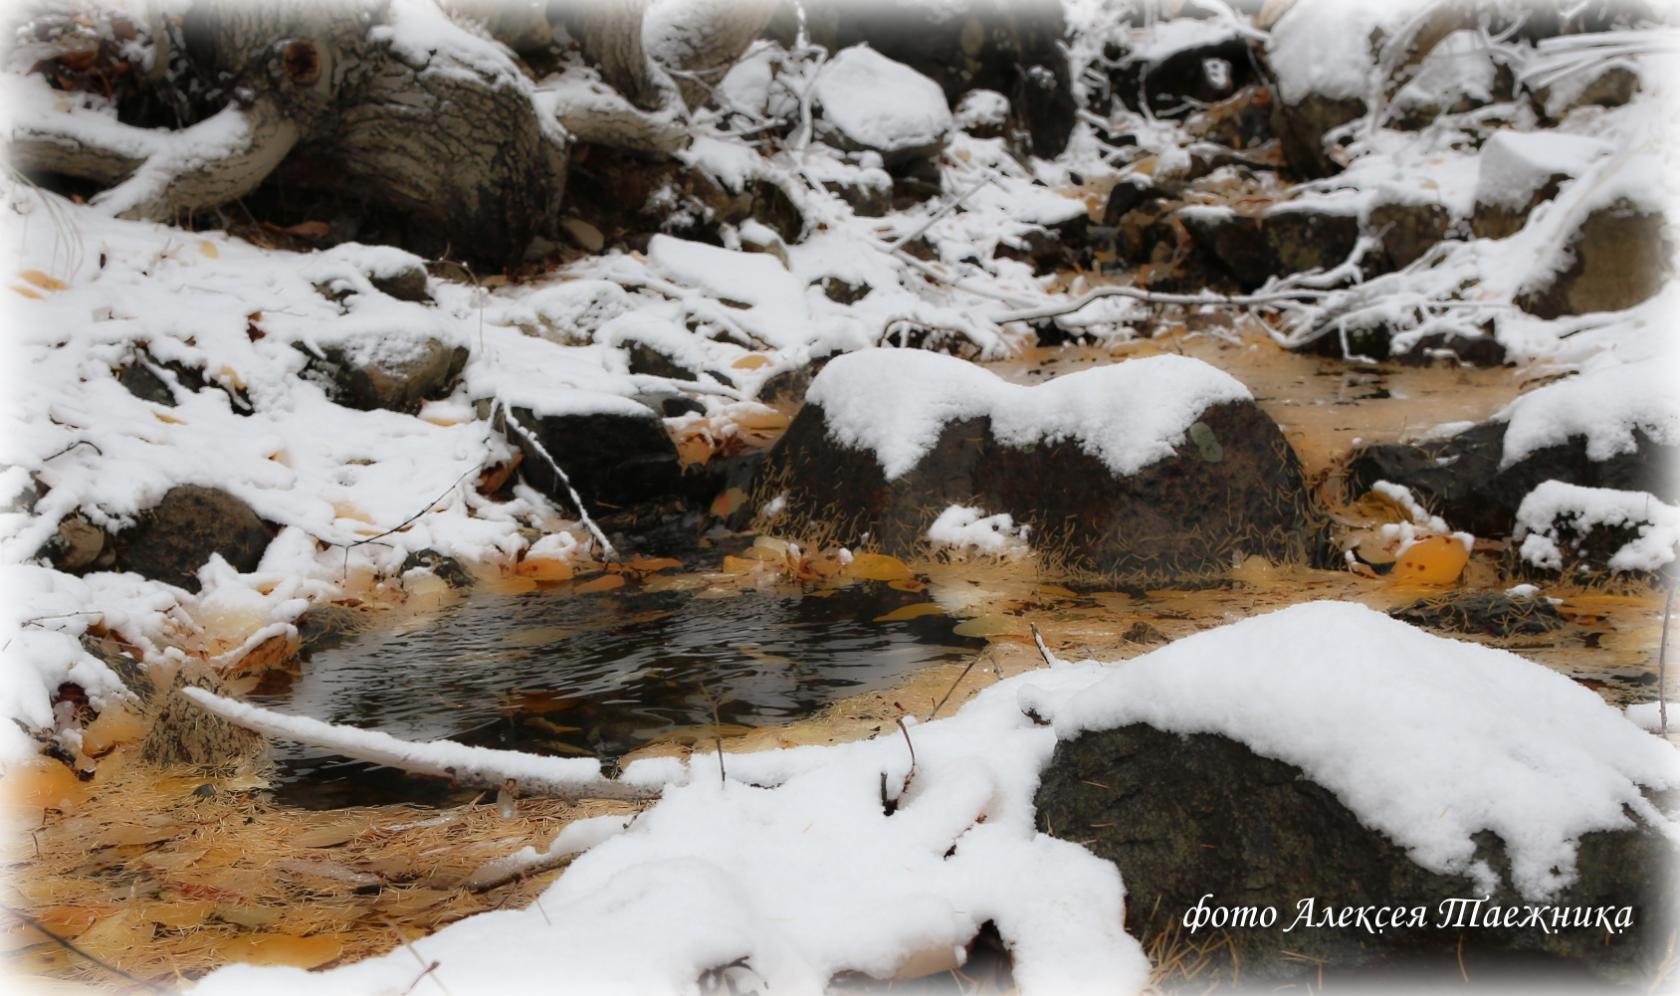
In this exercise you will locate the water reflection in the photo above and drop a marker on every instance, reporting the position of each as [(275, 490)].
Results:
[(556, 673)]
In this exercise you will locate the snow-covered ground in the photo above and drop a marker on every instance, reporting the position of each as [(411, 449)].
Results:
[(809, 877), (791, 867)]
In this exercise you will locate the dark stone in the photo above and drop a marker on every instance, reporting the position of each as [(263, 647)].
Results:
[(1497, 221), (325, 626), (789, 386), (128, 668), (354, 381), (1185, 816), (1585, 551), (1128, 193), (406, 284), (770, 205), (1460, 477), (865, 201), (645, 358), (843, 291), (611, 459), (1241, 121), (915, 181), (676, 405), (144, 383), (1301, 127), (1487, 613), (1478, 349), (78, 545), (1234, 488), (1062, 246), (1285, 239), (177, 536), (1612, 86), (448, 569), (1618, 258), (1014, 47), (1405, 231), (1201, 74)]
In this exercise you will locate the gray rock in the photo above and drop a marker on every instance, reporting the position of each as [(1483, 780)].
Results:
[(1485, 613), (406, 283), (1301, 127), (1608, 85), (1406, 230), (1232, 489), (174, 538), (1284, 239), (1461, 477), (1184, 816), (1618, 258), (611, 459), (393, 375)]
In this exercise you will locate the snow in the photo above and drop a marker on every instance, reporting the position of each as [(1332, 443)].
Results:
[(804, 878), (1129, 415), (1322, 47), (791, 863), (775, 300), (1514, 164), (880, 104), (982, 109), (1648, 715), (963, 528), (1555, 506), (1606, 406), (1458, 67), (1427, 740)]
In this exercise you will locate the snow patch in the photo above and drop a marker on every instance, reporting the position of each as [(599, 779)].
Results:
[(894, 402), (880, 104), (1557, 506), (966, 528)]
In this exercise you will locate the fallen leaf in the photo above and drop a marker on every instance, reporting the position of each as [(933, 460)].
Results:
[(913, 611)]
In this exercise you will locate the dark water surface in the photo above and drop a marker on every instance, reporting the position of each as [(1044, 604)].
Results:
[(551, 672)]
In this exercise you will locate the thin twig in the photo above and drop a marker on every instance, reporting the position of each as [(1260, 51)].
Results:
[(1043, 651), (69, 946), (429, 506), (607, 551), (1153, 297), (933, 218), (1662, 664), (953, 688)]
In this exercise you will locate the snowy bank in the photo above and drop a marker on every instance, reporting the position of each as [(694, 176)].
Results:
[(793, 866)]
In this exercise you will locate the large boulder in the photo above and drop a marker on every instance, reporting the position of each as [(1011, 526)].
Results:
[(1013, 47), (394, 372), (1330, 755), (1519, 171), (1254, 247), (1154, 469), (1579, 531), (611, 458), (868, 101), (1616, 258), (170, 541), (1613, 428)]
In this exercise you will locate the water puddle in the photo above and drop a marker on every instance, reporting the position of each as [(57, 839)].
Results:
[(554, 672)]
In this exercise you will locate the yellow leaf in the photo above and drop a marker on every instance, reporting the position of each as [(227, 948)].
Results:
[(728, 502), (208, 248), (545, 569), (877, 567), (606, 582), (990, 624), (42, 280), (282, 949), (751, 361), (25, 292), (1434, 560), (914, 611), (740, 565)]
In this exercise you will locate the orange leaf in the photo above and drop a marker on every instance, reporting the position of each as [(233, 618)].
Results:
[(914, 611), (42, 280), (751, 361), (545, 569), (878, 567), (606, 582), (1434, 560)]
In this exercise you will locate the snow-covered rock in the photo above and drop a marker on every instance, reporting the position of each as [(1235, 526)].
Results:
[(1520, 170), (871, 102), (1566, 527), (1161, 466), (1327, 751), (1617, 255), (1615, 426), (1457, 75)]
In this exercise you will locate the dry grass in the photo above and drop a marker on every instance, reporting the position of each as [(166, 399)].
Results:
[(166, 875)]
